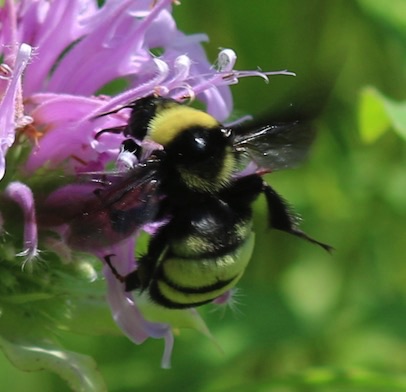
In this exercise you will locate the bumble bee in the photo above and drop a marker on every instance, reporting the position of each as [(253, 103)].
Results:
[(199, 184)]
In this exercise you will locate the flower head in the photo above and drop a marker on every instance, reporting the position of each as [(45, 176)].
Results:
[(65, 64)]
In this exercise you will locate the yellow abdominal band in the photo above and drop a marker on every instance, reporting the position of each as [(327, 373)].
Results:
[(191, 280)]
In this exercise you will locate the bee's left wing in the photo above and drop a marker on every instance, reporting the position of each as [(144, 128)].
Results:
[(104, 212), (274, 147)]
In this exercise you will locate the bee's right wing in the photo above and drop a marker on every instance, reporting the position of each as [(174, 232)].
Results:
[(274, 147)]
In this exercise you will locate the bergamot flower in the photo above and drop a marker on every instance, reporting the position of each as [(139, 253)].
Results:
[(64, 64)]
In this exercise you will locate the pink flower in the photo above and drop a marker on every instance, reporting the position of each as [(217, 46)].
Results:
[(62, 61)]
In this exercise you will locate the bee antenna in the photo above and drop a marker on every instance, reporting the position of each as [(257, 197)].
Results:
[(128, 106), (116, 130)]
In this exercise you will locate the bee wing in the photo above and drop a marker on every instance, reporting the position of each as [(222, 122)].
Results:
[(274, 147), (131, 202), (101, 214)]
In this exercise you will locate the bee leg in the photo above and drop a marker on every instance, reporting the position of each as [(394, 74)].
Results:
[(147, 264), (281, 218), (243, 191), (140, 278), (134, 280), (119, 277)]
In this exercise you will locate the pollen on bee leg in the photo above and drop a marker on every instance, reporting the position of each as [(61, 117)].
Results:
[(22, 195), (126, 160), (128, 156)]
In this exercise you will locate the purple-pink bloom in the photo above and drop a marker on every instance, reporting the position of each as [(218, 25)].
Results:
[(60, 59)]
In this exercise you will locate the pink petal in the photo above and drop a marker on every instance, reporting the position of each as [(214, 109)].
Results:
[(8, 109)]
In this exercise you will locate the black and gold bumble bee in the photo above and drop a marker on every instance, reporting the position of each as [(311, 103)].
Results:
[(196, 184), (207, 243)]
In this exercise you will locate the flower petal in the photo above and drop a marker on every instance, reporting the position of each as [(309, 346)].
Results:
[(78, 370), (8, 107), (115, 47), (22, 195), (51, 29)]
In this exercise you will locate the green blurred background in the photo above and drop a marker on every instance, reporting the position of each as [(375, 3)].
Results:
[(306, 321)]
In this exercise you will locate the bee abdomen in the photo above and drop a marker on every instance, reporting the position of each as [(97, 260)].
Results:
[(184, 283), (219, 239)]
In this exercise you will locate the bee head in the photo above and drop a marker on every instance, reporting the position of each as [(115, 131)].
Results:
[(143, 110), (199, 146), (203, 157)]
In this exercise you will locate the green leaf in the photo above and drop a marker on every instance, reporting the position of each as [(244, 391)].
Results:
[(378, 114), (391, 12)]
